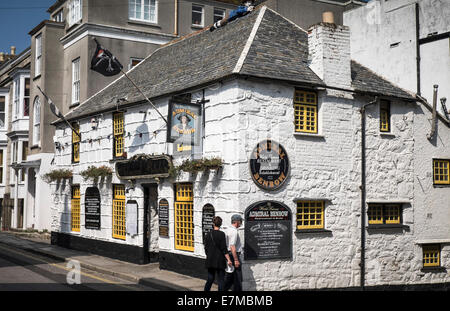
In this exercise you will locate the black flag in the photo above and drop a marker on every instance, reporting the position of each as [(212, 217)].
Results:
[(104, 62)]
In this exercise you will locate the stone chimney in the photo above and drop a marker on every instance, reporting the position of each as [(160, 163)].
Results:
[(329, 52), (2, 57), (13, 50)]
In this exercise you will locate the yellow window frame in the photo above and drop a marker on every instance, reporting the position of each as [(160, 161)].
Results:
[(76, 143), (378, 214), (385, 116), (310, 215), (305, 111), (441, 172), (75, 209), (118, 132), (431, 255), (184, 217), (119, 224)]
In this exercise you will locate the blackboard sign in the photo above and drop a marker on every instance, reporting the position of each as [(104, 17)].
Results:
[(163, 216), (269, 165), (207, 220), (92, 208), (268, 231)]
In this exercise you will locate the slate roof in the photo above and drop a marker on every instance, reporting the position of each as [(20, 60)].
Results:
[(261, 44)]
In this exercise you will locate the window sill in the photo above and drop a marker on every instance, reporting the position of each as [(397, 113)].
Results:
[(387, 134), (118, 159), (74, 105), (300, 231), (70, 27), (433, 269), (144, 23), (387, 226), (301, 134), (198, 26), (34, 147), (37, 77), (441, 185)]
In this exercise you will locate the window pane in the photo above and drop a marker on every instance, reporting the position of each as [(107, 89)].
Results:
[(197, 15), (219, 14), (2, 103)]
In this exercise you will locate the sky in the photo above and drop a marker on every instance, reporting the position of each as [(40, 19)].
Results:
[(17, 19)]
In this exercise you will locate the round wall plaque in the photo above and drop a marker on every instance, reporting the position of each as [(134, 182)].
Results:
[(269, 165)]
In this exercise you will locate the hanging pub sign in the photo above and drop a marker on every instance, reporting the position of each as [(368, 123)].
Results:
[(163, 217), (144, 166), (92, 208), (269, 165), (268, 231), (185, 127), (207, 220)]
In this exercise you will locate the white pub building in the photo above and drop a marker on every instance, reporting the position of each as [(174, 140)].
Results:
[(316, 152)]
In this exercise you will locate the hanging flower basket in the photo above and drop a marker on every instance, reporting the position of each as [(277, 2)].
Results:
[(94, 173), (195, 166), (57, 175)]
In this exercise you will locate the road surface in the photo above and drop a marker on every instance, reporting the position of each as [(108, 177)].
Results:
[(24, 271)]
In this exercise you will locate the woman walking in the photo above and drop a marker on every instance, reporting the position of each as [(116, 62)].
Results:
[(217, 256)]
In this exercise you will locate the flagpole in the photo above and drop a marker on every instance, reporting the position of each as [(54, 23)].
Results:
[(61, 117), (142, 93)]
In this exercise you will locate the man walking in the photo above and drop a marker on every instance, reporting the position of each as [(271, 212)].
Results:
[(234, 249)]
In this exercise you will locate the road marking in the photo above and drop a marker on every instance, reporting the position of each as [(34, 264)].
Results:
[(64, 267)]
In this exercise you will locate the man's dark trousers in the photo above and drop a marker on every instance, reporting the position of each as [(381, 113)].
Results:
[(234, 278)]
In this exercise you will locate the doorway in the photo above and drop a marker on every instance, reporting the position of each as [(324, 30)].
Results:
[(150, 214)]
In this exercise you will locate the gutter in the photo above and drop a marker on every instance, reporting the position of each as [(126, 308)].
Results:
[(363, 193)]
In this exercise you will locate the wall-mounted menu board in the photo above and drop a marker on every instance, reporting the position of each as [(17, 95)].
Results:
[(268, 231)]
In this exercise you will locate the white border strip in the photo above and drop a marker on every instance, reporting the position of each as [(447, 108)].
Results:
[(249, 43), (117, 34)]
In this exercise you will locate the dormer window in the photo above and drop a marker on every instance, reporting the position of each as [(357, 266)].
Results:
[(75, 11), (59, 17)]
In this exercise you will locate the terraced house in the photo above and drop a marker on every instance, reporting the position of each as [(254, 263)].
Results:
[(61, 49), (278, 124)]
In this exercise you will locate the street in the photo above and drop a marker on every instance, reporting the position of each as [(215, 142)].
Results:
[(25, 271)]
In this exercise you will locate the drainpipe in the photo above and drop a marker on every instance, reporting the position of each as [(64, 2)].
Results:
[(363, 193), (433, 120), (418, 48), (175, 26)]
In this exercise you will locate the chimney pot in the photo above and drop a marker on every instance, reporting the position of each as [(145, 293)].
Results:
[(13, 50), (328, 17), (2, 56)]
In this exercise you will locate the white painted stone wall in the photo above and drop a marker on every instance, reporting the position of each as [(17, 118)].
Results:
[(325, 166), (433, 202)]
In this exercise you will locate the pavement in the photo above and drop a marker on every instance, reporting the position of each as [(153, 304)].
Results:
[(147, 275)]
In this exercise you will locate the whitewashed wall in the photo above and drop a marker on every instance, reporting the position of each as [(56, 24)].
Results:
[(325, 166)]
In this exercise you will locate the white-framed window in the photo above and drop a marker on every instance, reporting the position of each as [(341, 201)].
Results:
[(2, 165), (75, 11), (38, 58), (37, 121), (2, 111), (197, 15), (59, 17), (143, 10), (26, 98), (219, 14), (16, 100), (24, 158), (76, 81)]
